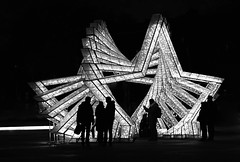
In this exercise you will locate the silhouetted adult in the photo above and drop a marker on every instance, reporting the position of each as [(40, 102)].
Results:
[(202, 118), (110, 116), (85, 118), (154, 112), (212, 117), (207, 118), (100, 121)]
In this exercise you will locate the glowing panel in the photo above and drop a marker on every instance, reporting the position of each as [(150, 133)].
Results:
[(179, 94)]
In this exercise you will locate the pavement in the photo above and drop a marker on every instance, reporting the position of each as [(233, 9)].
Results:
[(34, 146)]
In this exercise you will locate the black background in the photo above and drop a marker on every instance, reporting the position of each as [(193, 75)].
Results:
[(42, 40)]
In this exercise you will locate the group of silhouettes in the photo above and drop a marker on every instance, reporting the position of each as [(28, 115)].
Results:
[(105, 117), (206, 118), (104, 120)]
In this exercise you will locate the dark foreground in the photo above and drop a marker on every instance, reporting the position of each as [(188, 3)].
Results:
[(33, 146)]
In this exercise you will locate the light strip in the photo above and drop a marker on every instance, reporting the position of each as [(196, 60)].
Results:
[(26, 128)]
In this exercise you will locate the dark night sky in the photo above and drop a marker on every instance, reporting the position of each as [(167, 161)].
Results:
[(42, 39)]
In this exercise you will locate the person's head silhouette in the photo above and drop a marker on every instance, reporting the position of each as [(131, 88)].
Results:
[(151, 101), (88, 99), (108, 99)]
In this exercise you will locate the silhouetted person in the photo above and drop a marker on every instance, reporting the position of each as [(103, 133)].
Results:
[(144, 126), (207, 118), (85, 118), (110, 116), (202, 118), (212, 117), (100, 121), (154, 112)]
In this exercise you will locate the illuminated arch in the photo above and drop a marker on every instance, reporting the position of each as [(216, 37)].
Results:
[(178, 93)]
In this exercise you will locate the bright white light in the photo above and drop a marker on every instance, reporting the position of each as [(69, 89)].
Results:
[(26, 128)]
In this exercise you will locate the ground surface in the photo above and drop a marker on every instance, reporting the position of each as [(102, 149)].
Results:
[(34, 146)]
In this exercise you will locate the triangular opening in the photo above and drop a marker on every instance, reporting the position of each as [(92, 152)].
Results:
[(204, 84), (129, 95)]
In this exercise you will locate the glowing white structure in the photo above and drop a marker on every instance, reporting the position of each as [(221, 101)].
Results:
[(178, 93)]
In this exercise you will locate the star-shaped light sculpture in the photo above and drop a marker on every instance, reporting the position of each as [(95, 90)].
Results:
[(178, 93)]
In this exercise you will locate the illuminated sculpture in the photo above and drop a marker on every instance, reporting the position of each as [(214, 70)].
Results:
[(178, 93)]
